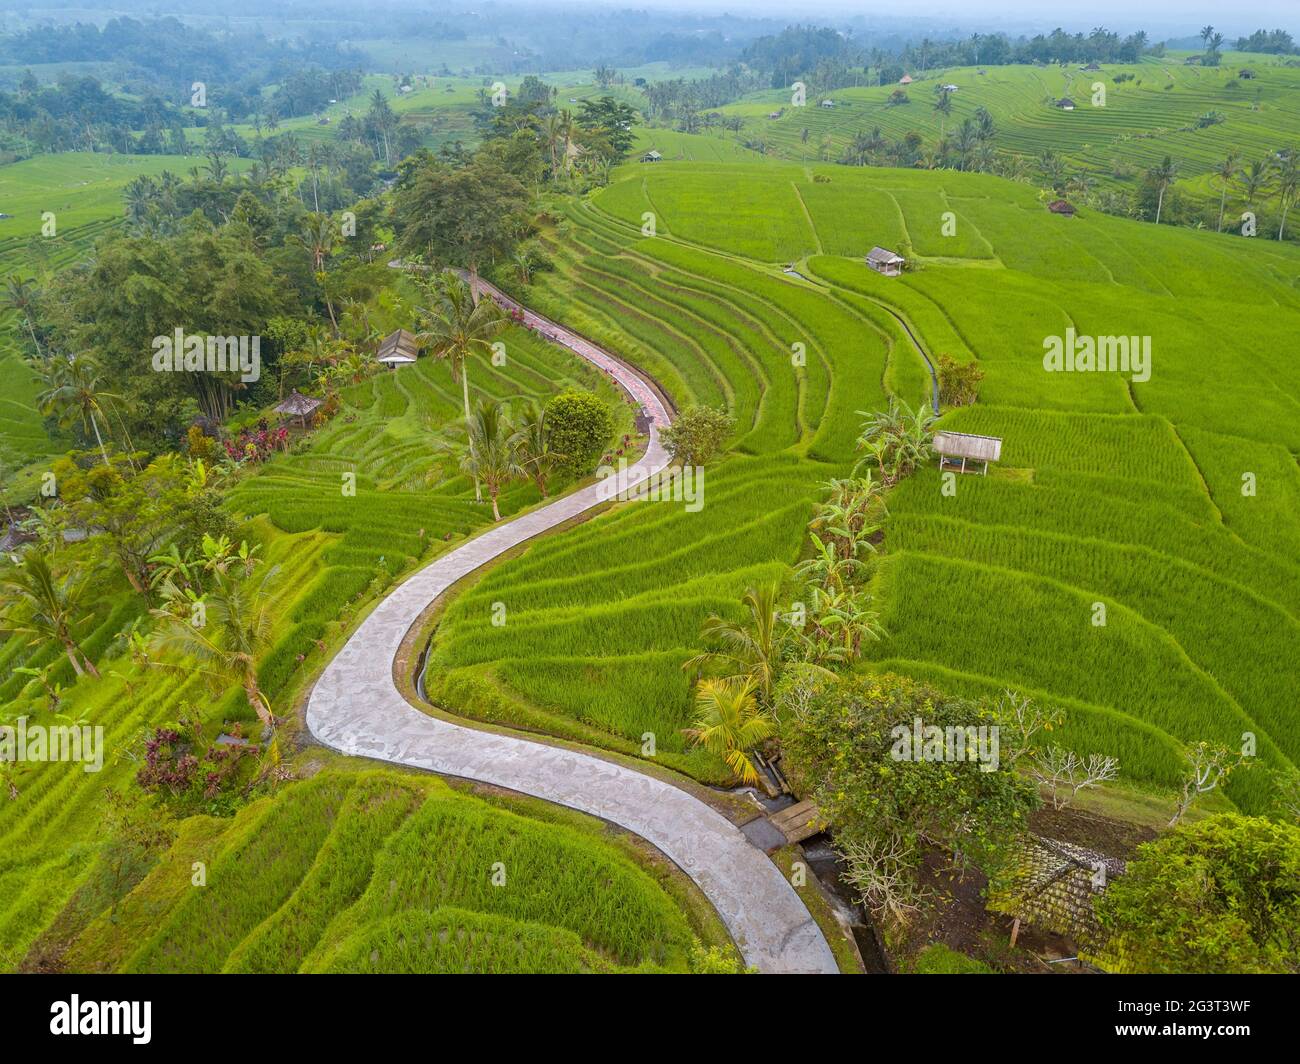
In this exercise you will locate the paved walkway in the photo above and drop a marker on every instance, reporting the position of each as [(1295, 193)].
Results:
[(356, 709)]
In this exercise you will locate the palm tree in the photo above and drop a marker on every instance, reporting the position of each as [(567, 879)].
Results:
[(942, 104), (729, 723), (533, 442), (493, 458), (1253, 179), (20, 295), (459, 327), (74, 395), (751, 649), (1288, 179), (1225, 172), (238, 627), (45, 607), (1163, 176)]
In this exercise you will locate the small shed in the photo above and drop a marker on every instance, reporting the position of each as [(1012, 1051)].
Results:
[(397, 349), (1064, 207), (948, 88), (906, 79), (651, 156), (1053, 886), (1065, 103), (886, 262), (956, 449), (775, 114), (828, 103), (298, 405)]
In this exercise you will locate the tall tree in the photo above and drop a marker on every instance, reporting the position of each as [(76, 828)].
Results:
[(1163, 177), (456, 328), (493, 457), (46, 606), (74, 396), (1226, 171), (460, 216)]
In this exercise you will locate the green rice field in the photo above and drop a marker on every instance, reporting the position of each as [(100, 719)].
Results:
[(1109, 490)]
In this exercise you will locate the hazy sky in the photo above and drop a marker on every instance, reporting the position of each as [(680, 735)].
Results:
[(1233, 17)]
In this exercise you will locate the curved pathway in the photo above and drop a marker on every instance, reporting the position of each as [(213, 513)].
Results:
[(357, 709)]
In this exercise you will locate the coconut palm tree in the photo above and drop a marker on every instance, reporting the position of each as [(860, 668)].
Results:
[(493, 457), (20, 295), (533, 443), (751, 649), (1254, 179), (1288, 180), (1226, 171), (45, 606), (1163, 176), (457, 329), (942, 104), (729, 723), (73, 395), (237, 629)]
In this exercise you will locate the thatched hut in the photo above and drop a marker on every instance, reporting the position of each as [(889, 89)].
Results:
[(299, 406), (397, 349), (956, 449)]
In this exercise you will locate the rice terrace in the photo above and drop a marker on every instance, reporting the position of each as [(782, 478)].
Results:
[(572, 490)]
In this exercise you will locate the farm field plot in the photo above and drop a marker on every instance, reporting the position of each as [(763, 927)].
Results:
[(1152, 114), (83, 190), (601, 617), (398, 434), (1114, 491), (387, 872)]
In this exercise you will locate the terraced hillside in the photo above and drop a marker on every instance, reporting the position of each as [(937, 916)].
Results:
[(1150, 115), (83, 190), (1110, 491), (334, 551), (387, 872)]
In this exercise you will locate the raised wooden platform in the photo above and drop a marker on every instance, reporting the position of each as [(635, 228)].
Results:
[(798, 822)]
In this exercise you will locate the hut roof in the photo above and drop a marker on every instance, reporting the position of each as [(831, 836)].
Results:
[(1053, 885), (297, 404), (1061, 206), (399, 346), (881, 256), (1065, 101), (651, 156), (966, 445)]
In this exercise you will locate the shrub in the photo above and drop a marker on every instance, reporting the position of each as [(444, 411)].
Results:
[(958, 381), (198, 445), (1220, 895), (697, 434), (850, 747), (580, 427)]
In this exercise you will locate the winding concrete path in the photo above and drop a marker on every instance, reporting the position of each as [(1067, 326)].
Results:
[(357, 709)]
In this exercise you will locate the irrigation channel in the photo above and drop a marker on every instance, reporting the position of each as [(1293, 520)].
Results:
[(357, 709)]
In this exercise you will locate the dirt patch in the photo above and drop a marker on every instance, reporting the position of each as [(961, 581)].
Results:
[(1114, 838)]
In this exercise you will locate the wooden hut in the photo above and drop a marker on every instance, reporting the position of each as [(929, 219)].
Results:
[(1065, 103), (1061, 206), (397, 349), (886, 262), (956, 449), (651, 156), (299, 406)]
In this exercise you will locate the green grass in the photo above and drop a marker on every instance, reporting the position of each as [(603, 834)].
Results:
[(1142, 121), (1109, 491), (379, 871)]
